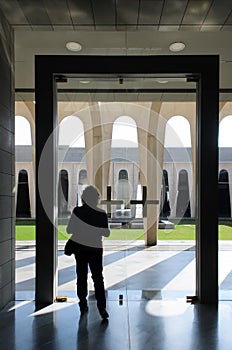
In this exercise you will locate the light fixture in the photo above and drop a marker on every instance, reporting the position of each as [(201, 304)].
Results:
[(177, 47), (84, 81), (73, 46), (162, 81)]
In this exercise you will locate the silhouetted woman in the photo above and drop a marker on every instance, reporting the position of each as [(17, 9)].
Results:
[(88, 224)]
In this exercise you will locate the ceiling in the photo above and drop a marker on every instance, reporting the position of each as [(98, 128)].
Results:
[(119, 27)]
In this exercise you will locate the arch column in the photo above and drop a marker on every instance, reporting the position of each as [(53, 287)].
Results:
[(230, 187), (154, 172), (31, 185), (107, 129), (191, 116), (73, 188), (174, 192), (94, 149)]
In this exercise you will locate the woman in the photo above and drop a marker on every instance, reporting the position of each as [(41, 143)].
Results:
[(88, 224)]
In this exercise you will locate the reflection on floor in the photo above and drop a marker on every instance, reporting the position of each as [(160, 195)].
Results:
[(137, 323), (152, 312)]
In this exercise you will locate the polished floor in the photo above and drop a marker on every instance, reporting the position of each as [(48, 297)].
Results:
[(146, 300)]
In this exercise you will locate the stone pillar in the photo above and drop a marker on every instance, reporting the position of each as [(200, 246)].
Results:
[(142, 141), (230, 187), (192, 122), (154, 172), (31, 185)]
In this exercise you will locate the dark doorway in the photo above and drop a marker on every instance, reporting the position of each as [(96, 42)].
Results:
[(123, 190), (23, 208), (165, 204), (63, 186), (224, 195), (82, 177), (183, 203)]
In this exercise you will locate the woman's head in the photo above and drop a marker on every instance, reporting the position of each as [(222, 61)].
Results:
[(90, 196)]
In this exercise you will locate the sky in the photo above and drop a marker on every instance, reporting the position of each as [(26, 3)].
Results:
[(124, 132)]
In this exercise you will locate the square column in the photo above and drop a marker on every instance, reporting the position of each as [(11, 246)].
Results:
[(207, 185), (46, 192)]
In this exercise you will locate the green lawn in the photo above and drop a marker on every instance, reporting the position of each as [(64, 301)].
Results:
[(181, 232)]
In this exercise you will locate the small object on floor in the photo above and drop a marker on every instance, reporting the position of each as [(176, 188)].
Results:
[(191, 298), (104, 314), (61, 299)]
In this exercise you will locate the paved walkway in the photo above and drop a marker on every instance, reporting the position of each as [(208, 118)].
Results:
[(153, 313), (129, 266)]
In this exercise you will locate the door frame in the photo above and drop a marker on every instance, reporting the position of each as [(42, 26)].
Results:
[(204, 69)]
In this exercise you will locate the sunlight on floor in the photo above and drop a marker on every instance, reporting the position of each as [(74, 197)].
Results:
[(166, 308)]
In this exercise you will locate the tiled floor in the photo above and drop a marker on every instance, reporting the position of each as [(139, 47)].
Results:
[(153, 314)]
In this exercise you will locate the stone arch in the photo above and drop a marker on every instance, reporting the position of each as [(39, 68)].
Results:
[(23, 207), (71, 131), (123, 192), (82, 177), (63, 193), (185, 155), (225, 127), (123, 187), (176, 133), (27, 110), (23, 123), (183, 200), (225, 110), (81, 184), (126, 154), (120, 123), (224, 206), (164, 201)]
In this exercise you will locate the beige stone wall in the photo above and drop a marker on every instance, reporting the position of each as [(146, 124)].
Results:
[(151, 119)]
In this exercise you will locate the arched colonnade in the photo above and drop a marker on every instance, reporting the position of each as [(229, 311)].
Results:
[(98, 120)]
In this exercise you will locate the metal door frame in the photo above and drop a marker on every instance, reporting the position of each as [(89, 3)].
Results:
[(205, 70)]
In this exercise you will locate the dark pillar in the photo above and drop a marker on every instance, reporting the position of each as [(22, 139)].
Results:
[(46, 170), (207, 183), (7, 164)]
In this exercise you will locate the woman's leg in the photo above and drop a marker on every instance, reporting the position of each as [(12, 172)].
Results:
[(96, 267), (82, 276)]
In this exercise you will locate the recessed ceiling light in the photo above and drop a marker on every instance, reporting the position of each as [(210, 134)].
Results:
[(177, 47), (73, 46), (162, 81), (84, 81)]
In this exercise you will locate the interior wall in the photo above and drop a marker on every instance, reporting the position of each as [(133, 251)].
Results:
[(7, 230)]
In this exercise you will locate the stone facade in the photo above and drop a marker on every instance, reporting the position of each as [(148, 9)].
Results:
[(151, 119)]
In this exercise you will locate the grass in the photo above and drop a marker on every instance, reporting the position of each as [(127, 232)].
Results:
[(181, 232)]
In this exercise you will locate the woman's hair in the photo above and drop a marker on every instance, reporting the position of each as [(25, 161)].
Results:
[(90, 196)]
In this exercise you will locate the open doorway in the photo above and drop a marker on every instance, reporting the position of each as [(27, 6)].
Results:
[(123, 127), (207, 110)]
